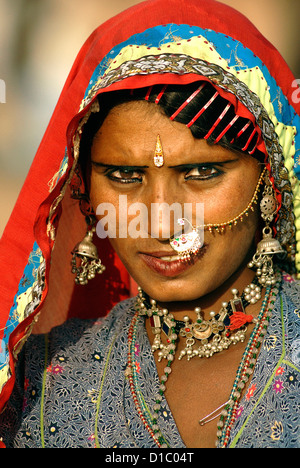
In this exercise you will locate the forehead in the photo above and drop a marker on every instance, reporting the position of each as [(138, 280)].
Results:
[(136, 123), (129, 133)]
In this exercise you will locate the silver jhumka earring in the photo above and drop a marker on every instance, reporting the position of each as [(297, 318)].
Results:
[(85, 260), (268, 246)]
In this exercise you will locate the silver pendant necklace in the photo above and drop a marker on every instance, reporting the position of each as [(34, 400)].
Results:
[(203, 338)]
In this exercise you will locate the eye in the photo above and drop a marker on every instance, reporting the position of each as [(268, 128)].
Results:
[(125, 175), (203, 172)]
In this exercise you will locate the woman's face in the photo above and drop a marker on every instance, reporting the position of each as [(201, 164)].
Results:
[(193, 172)]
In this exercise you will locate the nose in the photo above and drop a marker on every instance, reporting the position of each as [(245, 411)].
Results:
[(164, 218), (164, 210)]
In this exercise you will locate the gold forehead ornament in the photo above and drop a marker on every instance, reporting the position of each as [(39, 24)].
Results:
[(158, 155)]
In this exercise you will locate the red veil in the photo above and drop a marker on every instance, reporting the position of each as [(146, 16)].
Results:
[(26, 289)]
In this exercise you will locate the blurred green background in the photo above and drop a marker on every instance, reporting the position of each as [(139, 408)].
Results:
[(39, 40)]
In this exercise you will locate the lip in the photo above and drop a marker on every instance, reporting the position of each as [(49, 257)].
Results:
[(157, 262)]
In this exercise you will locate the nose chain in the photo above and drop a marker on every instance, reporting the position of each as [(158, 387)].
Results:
[(188, 244)]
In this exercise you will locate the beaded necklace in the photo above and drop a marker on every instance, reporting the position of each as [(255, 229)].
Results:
[(246, 367), (244, 372)]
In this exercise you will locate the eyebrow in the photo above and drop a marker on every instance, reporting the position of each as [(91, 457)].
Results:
[(179, 166), (208, 163), (117, 166)]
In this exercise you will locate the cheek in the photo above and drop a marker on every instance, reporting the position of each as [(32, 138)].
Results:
[(229, 202), (125, 249), (235, 245), (105, 203), (98, 191)]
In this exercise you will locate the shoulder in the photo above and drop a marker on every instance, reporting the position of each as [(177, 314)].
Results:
[(290, 313), (291, 291), (103, 327), (79, 335)]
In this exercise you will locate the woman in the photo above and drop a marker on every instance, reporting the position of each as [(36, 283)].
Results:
[(163, 106)]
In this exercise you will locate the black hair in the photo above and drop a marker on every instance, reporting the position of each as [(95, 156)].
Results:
[(169, 101)]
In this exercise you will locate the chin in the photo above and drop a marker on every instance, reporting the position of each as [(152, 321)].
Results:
[(175, 290)]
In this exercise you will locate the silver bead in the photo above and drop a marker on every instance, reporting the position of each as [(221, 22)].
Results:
[(158, 397)]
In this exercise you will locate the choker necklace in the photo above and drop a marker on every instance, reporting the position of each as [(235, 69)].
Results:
[(203, 338), (244, 371)]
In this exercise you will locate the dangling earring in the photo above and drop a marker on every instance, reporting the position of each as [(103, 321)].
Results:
[(85, 260), (268, 246)]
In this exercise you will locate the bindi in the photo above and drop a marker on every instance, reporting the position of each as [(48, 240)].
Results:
[(158, 155)]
